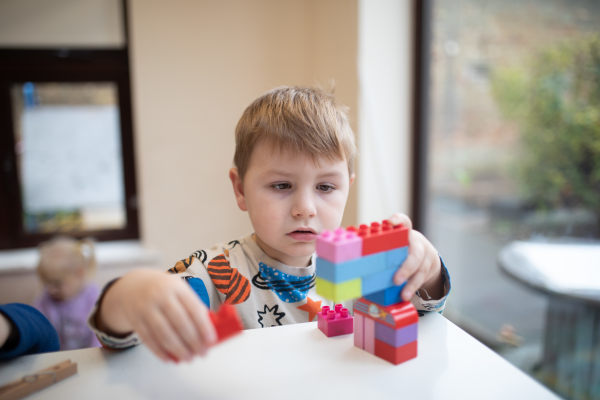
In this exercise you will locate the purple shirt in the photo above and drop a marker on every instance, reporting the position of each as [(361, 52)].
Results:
[(69, 317)]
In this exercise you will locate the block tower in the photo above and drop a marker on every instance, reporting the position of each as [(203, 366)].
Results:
[(355, 262)]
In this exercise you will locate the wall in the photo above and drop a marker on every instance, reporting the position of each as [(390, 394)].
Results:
[(386, 87), (195, 66)]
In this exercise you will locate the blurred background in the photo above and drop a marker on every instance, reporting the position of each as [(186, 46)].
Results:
[(478, 118)]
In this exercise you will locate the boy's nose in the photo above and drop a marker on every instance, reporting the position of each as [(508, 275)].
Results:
[(304, 206)]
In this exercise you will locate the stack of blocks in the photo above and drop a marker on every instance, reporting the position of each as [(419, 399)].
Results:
[(362, 262)]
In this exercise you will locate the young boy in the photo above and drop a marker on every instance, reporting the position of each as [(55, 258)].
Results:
[(293, 170)]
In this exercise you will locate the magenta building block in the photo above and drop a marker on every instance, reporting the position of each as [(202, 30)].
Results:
[(396, 337), (339, 246), (335, 322)]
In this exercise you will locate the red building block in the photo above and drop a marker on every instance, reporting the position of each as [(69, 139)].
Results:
[(226, 322), (395, 355), (395, 316), (335, 322), (381, 237)]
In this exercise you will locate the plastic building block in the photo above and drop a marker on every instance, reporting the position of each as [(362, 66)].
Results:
[(335, 322), (226, 322), (338, 292), (395, 355), (386, 297), (396, 337), (339, 245), (396, 316), (378, 281), (396, 257), (382, 237), (369, 335), (359, 331), (352, 269)]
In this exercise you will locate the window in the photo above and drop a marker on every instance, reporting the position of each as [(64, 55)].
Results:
[(67, 147), (509, 144)]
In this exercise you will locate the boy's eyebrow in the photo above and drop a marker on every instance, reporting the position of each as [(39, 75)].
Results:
[(280, 172)]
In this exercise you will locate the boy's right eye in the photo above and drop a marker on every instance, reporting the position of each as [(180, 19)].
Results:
[(281, 186)]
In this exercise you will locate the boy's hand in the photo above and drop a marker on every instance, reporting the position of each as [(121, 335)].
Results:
[(422, 267), (162, 309)]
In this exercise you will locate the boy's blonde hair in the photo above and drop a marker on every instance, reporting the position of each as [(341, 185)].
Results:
[(66, 253), (299, 119)]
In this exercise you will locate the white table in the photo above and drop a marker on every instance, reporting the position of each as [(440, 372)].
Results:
[(292, 362)]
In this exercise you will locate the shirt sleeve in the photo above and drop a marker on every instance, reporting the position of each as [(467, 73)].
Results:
[(107, 340), (424, 303), (31, 332)]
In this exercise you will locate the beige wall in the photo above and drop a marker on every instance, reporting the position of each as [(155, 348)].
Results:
[(195, 66)]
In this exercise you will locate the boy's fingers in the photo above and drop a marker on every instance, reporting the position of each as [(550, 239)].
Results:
[(417, 279), (414, 259), (197, 313), (399, 218), (412, 285), (184, 328), (146, 337), (164, 333)]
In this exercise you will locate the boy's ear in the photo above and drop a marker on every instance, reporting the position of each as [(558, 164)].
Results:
[(352, 177), (238, 188)]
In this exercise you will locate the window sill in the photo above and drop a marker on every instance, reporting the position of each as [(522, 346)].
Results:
[(126, 253)]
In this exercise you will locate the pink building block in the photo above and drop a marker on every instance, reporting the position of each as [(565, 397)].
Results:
[(369, 335), (339, 246), (359, 330), (335, 322)]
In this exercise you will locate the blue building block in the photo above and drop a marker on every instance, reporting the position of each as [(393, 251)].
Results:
[(347, 270), (387, 296), (378, 281), (396, 257)]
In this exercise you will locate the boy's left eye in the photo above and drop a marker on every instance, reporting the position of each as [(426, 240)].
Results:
[(325, 187), (281, 186)]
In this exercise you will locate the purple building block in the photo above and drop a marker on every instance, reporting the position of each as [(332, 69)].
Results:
[(396, 337)]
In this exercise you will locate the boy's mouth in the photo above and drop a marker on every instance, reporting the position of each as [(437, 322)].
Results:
[(303, 234)]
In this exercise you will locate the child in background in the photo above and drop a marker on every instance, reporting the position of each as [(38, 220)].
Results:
[(65, 265), (293, 171)]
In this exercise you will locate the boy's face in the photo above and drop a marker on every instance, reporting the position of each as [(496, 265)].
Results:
[(290, 200)]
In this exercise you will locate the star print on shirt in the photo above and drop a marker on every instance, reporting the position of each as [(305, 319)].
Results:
[(311, 307), (270, 316)]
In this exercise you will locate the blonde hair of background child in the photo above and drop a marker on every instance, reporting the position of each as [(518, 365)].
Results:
[(69, 253), (305, 120)]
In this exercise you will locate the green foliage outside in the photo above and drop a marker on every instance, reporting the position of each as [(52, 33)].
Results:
[(555, 99)]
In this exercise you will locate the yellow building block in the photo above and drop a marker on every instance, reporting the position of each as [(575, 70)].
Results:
[(338, 292)]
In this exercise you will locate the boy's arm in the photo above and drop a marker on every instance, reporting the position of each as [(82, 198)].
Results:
[(161, 309)]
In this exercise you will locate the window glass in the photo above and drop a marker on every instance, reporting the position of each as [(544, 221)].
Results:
[(513, 153), (67, 139)]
